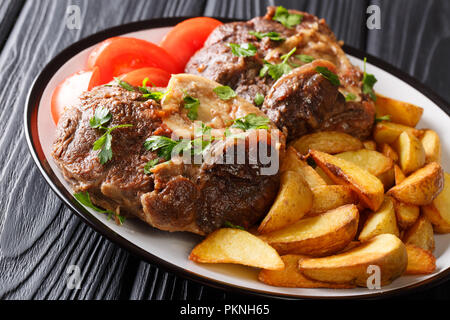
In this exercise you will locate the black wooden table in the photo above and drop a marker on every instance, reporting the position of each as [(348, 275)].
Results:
[(40, 237)]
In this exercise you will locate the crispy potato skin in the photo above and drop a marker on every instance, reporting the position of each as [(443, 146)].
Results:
[(293, 201), (291, 277), (331, 142), (407, 214), (438, 212), (398, 174), (337, 228), (421, 234), (421, 187), (420, 261), (385, 250), (236, 246)]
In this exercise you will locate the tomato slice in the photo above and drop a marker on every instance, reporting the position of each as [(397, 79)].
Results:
[(119, 55), (156, 77), (67, 92), (187, 37)]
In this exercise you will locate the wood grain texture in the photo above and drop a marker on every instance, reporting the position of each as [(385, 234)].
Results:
[(40, 237)]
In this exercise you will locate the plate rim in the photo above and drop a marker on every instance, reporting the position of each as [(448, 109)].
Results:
[(30, 126)]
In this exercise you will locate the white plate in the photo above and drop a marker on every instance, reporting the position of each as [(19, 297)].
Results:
[(172, 249)]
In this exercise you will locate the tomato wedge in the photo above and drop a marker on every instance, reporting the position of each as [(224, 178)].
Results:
[(156, 77), (119, 55), (68, 91), (187, 37)]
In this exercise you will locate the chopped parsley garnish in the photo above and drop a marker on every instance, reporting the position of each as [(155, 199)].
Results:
[(350, 97), (84, 199), (304, 58), (251, 121), (274, 36), (101, 117), (277, 70), (124, 84), (162, 144), (369, 81), (228, 224), (149, 165), (259, 99), (331, 76), (383, 118), (224, 92), (287, 19), (191, 104), (243, 50)]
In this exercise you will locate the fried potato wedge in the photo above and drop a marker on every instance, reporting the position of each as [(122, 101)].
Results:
[(385, 251), (293, 201), (370, 145), (369, 188), (324, 176), (399, 111), (327, 141), (388, 132), (376, 163), (381, 221), (236, 246), (325, 234), (398, 174), (438, 212), (291, 277), (432, 146), (421, 187), (292, 162), (328, 197), (410, 152), (407, 214), (420, 234), (389, 152), (420, 261)]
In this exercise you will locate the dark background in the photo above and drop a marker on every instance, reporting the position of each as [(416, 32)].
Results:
[(40, 237)]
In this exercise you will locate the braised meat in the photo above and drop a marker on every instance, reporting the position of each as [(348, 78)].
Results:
[(313, 38), (176, 195)]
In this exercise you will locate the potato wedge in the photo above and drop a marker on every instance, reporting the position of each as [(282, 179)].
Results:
[(420, 261), (389, 152), (327, 141), (388, 132), (410, 152), (407, 214), (317, 236), (236, 246), (292, 162), (421, 187), (370, 145), (438, 212), (376, 163), (369, 188), (399, 111), (432, 146), (293, 201), (381, 221), (328, 197), (385, 251), (398, 174), (324, 176), (420, 234), (291, 277)]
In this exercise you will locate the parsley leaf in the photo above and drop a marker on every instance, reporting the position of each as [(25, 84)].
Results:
[(277, 70), (369, 81), (85, 199), (251, 121), (304, 58), (162, 144), (331, 76), (350, 97), (259, 99), (228, 224), (149, 165), (243, 50), (287, 19), (191, 104), (101, 116), (383, 118), (224, 92), (124, 84), (274, 36)]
